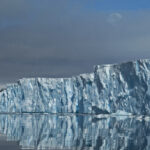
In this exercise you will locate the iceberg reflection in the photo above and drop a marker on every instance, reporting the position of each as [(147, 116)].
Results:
[(45, 131)]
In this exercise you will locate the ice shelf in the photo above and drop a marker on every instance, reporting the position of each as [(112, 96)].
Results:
[(109, 89)]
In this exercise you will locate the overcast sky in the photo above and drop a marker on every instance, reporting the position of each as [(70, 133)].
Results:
[(61, 38)]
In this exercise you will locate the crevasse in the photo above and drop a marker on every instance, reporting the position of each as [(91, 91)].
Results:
[(109, 89)]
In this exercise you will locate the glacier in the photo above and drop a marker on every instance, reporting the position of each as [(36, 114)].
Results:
[(110, 89)]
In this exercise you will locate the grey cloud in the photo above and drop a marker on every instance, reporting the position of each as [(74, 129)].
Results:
[(51, 40)]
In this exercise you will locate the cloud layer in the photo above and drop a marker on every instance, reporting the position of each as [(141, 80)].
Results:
[(50, 40)]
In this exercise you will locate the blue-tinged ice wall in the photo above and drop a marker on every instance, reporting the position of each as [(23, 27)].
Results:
[(117, 88)]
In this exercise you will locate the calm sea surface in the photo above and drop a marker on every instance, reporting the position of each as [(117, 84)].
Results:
[(73, 132)]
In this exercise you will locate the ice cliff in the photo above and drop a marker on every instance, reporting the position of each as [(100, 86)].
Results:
[(118, 88)]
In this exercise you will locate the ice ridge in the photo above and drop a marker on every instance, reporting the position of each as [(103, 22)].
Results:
[(109, 89)]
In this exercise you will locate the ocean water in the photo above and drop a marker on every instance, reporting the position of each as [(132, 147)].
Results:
[(74, 132)]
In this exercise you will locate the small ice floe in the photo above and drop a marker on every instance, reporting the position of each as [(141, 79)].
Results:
[(122, 113)]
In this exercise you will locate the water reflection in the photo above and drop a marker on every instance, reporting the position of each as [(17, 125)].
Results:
[(77, 132)]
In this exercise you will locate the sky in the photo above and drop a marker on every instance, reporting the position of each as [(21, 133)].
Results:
[(62, 38)]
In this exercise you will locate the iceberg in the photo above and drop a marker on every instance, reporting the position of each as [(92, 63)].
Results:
[(109, 89)]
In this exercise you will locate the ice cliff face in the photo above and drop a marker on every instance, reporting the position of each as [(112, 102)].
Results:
[(117, 88)]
